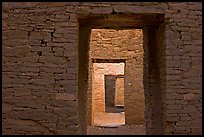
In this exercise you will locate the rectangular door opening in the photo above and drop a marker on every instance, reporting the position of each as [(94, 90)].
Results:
[(140, 48), (114, 93)]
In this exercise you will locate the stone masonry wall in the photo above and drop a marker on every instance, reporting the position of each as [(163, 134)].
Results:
[(115, 44), (40, 64)]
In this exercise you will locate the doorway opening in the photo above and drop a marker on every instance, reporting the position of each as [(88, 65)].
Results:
[(114, 93), (127, 99), (100, 98), (142, 72)]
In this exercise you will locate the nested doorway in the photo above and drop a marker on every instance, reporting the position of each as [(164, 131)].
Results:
[(151, 78)]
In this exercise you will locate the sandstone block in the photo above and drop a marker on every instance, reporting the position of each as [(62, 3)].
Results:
[(29, 58), (41, 81), (30, 69), (16, 34), (101, 10), (12, 42), (177, 6), (55, 4), (34, 42), (53, 70), (6, 108), (172, 119), (65, 96), (35, 35), (58, 110), (136, 9), (31, 103), (22, 92), (194, 6), (53, 59), (71, 9), (183, 123), (84, 10), (174, 96), (189, 96), (59, 40), (20, 5)]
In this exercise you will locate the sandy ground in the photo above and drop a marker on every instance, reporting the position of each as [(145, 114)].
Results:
[(109, 119), (113, 124), (121, 130)]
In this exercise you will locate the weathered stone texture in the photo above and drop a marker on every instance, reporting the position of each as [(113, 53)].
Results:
[(40, 63)]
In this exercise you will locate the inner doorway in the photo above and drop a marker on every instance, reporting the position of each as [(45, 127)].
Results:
[(101, 98), (118, 46), (114, 93)]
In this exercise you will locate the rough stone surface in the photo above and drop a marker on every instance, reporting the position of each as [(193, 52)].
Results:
[(40, 60)]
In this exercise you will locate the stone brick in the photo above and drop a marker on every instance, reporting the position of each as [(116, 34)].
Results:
[(183, 123), (101, 10), (174, 96), (53, 59), (12, 42), (41, 81), (189, 96), (58, 110), (22, 92), (177, 106), (31, 103), (35, 35), (136, 9), (71, 9), (16, 34), (172, 119), (65, 96), (53, 70), (194, 6), (15, 80), (30, 69), (55, 4), (6, 108), (84, 10)]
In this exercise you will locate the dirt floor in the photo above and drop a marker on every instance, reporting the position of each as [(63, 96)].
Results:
[(120, 130), (113, 124), (109, 119)]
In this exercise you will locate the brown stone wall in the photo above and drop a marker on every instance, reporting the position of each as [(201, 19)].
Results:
[(44, 61)]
